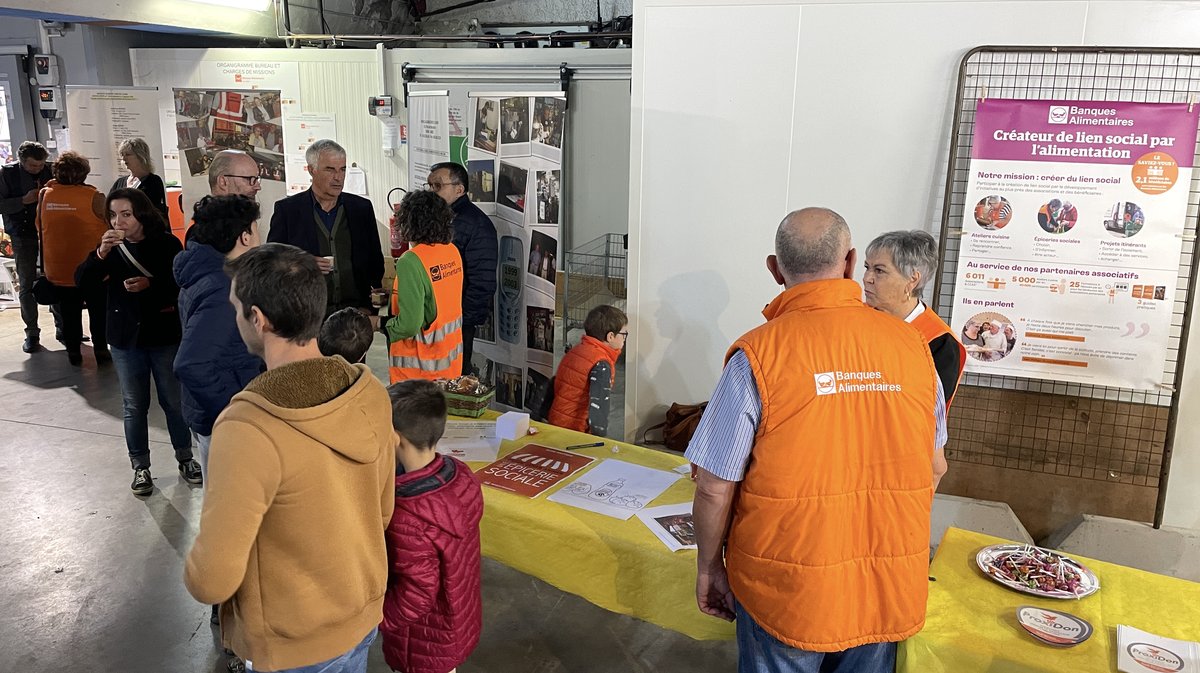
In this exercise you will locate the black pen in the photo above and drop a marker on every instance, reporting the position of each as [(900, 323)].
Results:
[(585, 446)]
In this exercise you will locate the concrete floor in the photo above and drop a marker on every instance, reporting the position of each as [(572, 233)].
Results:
[(92, 574)]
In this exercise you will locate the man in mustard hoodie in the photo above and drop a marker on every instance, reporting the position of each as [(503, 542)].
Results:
[(300, 485)]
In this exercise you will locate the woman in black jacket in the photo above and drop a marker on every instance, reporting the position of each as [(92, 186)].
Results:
[(136, 155), (134, 260)]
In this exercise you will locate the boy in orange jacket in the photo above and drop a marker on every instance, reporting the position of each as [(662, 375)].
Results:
[(583, 384)]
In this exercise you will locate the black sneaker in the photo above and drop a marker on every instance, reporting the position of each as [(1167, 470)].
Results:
[(103, 356), (142, 484), (189, 471), (75, 358), (31, 345)]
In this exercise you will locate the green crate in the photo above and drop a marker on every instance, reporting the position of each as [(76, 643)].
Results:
[(471, 406)]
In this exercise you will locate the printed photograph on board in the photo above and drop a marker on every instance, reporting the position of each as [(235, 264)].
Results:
[(511, 190), (514, 120), (1057, 216), (548, 117), (548, 192), (509, 389), (680, 526), (210, 121), (1125, 219), (989, 336), (539, 328), (543, 256), (993, 212), (537, 387), (482, 176), (487, 117)]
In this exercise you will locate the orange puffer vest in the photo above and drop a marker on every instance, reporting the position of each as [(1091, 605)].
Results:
[(931, 326), (571, 389), (829, 546), (437, 352)]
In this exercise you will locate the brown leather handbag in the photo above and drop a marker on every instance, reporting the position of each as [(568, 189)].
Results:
[(678, 427)]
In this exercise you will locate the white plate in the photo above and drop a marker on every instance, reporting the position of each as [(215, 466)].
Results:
[(986, 560)]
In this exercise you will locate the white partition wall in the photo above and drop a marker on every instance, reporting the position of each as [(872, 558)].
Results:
[(742, 112)]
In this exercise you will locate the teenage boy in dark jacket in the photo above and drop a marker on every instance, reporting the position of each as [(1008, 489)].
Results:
[(477, 243), (213, 364)]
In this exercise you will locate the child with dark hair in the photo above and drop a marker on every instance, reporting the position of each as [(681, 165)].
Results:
[(433, 610), (346, 333), (583, 384)]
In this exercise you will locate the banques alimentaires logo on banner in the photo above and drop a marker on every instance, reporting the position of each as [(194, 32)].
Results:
[(1155, 658), (832, 383)]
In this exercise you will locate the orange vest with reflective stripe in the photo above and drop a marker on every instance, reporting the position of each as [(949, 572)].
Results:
[(572, 389), (829, 545), (931, 326), (435, 353)]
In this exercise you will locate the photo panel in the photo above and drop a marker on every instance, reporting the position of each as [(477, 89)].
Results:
[(228, 105), (512, 191), (548, 190), (482, 179), (267, 137), (270, 165), (485, 135), (537, 389), (510, 389), (539, 328), (514, 126), (542, 260), (197, 160), (549, 120)]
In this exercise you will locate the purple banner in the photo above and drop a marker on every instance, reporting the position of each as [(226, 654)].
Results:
[(1091, 132)]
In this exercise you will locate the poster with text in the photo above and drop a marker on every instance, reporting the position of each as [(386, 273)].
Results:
[(101, 118), (301, 131), (429, 135), (208, 121), (1071, 239)]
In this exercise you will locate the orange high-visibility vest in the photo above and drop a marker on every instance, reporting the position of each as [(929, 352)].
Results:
[(572, 390), (931, 326), (69, 228), (829, 545), (435, 353)]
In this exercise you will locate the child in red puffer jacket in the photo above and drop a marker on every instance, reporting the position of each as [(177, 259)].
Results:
[(433, 611)]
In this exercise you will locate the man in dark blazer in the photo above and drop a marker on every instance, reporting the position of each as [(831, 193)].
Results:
[(338, 229)]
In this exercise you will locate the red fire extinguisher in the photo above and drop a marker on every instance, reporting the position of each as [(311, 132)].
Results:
[(398, 244)]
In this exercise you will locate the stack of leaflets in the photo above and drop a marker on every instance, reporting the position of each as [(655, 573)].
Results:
[(1141, 652), (1052, 627)]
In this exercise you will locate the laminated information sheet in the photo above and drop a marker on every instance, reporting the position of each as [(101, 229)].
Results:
[(615, 488), (1142, 652)]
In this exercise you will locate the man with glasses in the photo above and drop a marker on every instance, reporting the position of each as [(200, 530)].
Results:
[(337, 228), (234, 173), (477, 243)]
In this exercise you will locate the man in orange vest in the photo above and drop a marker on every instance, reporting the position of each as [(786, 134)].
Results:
[(814, 469)]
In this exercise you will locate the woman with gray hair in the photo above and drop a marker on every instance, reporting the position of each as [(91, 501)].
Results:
[(136, 155), (898, 265)]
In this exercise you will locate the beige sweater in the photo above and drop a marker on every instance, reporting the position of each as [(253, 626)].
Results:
[(299, 491)]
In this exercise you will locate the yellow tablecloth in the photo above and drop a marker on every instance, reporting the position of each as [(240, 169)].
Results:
[(972, 626), (618, 565)]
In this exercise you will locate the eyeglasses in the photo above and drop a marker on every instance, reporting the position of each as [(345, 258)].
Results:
[(624, 334), (437, 186), (252, 179)]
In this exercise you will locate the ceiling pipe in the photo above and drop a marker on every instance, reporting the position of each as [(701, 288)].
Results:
[(552, 37)]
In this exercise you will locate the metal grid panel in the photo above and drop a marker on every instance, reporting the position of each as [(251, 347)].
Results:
[(595, 275), (1076, 430)]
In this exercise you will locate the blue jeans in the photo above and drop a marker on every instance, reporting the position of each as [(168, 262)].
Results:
[(760, 652), (354, 661), (135, 367)]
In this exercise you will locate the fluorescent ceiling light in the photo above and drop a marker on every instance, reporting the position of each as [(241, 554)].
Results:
[(251, 5)]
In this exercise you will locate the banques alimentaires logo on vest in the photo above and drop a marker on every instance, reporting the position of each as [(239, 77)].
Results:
[(1155, 658), (832, 383)]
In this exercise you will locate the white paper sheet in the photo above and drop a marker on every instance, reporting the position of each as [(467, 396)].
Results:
[(615, 488), (479, 449), (356, 181), (685, 469), (672, 524), (1142, 652)]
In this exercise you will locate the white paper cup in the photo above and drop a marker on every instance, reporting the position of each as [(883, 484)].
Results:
[(330, 260)]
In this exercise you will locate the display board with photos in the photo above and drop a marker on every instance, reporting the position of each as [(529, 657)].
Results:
[(208, 121), (512, 150)]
